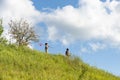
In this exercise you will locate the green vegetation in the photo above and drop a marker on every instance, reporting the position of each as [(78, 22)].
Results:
[(2, 39), (1, 28), (22, 63)]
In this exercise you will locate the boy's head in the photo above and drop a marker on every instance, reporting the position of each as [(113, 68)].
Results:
[(67, 49), (46, 43)]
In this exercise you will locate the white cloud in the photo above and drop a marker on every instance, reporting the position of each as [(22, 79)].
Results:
[(91, 20), (52, 33), (96, 46), (84, 50), (92, 47), (17, 9)]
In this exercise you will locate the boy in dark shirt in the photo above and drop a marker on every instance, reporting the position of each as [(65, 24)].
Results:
[(46, 47)]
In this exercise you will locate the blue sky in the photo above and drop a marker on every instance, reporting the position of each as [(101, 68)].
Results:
[(89, 28), (54, 3)]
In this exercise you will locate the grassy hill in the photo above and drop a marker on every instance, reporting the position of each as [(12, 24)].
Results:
[(25, 64)]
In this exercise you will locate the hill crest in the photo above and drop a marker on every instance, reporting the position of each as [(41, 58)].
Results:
[(22, 63)]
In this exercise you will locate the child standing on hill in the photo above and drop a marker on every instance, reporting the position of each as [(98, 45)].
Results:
[(46, 47), (67, 53)]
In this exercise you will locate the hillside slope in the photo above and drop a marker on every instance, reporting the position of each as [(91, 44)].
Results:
[(26, 64)]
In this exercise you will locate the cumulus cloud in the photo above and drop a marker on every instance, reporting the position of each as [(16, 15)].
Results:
[(96, 46), (92, 47), (93, 19), (17, 9)]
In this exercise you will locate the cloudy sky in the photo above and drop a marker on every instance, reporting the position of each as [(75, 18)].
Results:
[(89, 28)]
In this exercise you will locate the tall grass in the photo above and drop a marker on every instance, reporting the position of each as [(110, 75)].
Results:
[(22, 63)]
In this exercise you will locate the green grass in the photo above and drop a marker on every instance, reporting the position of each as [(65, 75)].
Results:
[(25, 64)]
